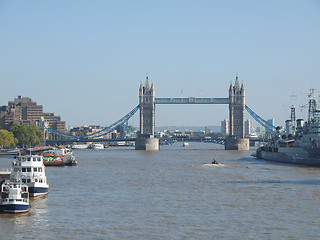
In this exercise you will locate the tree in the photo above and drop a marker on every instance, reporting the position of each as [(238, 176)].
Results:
[(7, 139), (27, 134)]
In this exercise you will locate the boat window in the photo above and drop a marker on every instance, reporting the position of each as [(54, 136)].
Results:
[(23, 180), (24, 169), (28, 169), (34, 159), (40, 180), (23, 159), (35, 169), (40, 169), (28, 159), (28, 180), (36, 180), (14, 186), (39, 159)]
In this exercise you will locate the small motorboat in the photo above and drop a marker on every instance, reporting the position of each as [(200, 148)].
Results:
[(185, 144), (70, 161)]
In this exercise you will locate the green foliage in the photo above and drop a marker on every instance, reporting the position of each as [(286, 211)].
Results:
[(7, 139), (27, 134), (216, 135)]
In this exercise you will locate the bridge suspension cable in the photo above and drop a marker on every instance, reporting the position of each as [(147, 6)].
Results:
[(100, 133), (260, 120)]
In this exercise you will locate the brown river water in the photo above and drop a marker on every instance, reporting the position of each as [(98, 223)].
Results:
[(174, 193)]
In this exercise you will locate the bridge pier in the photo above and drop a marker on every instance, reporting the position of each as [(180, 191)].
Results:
[(241, 144), (146, 140), (148, 144)]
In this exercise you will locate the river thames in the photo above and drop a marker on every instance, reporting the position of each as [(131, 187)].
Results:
[(174, 193)]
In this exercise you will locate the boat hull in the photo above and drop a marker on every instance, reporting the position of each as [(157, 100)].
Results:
[(53, 163), (289, 155), (15, 208), (38, 191)]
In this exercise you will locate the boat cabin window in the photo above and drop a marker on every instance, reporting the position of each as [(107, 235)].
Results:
[(23, 169), (34, 159), (28, 159), (24, 180), (40, 169), (36, 180), (28, 169), (39, 159), (28, 180), (40, 180), (35, 169)]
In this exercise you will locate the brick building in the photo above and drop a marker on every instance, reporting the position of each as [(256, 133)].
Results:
[(24, 111)]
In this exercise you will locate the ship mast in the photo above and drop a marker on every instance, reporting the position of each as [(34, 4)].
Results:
[(293, 118), (312, 104)]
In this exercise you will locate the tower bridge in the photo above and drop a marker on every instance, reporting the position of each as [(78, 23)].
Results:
[(147, 100)]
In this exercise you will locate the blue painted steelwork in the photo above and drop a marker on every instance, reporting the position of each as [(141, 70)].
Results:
[(53, 141), (124, 120), (100, 133), (192, 100), (260, 120)]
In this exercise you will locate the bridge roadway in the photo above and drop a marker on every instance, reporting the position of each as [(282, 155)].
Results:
[(192, 100)]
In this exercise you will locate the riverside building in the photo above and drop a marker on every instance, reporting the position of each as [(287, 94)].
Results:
[(22, 110)]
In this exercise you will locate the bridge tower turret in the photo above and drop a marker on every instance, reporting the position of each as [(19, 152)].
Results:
[(237, 109), (237, 140), (147, 109), (146, 140)]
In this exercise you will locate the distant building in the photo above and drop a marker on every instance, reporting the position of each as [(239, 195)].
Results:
[(258, 130), (24, 111), (248, 127), (271, 121), (91, 129), (225, 126)]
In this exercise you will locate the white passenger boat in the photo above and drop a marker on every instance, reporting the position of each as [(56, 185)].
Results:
[(79, 146), (97, 146), (31, 170), (14, 197)]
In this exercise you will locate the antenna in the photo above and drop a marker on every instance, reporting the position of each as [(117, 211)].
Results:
[(293, 97)]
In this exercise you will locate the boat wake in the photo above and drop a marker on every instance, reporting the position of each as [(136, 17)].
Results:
[(213, 165)]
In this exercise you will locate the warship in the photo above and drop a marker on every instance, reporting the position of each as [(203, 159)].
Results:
[(299, 145)]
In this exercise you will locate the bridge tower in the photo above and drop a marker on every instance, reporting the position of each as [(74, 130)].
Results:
[(236, 140), (146, 140)]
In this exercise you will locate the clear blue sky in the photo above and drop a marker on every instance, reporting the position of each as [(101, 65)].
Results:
[(84, 60)]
